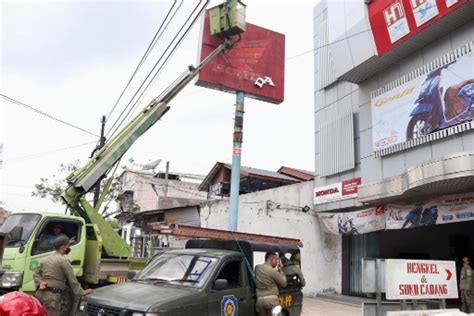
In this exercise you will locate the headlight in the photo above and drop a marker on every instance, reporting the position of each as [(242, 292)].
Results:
[(82, 306), (12, 279)]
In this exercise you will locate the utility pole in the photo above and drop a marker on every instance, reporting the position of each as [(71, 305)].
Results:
[(236, 155), (99, 146)]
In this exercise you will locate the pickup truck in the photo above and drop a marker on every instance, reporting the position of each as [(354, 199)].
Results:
[(209, 277)]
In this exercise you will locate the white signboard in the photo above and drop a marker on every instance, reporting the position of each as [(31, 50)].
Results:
[(337, 191), (420, 279), (396, 21), (424, 10), (437, 100)]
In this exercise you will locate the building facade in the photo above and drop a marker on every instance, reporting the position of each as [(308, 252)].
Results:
[(394, 136)]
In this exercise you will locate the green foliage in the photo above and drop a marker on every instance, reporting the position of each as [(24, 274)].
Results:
[(52, 188)]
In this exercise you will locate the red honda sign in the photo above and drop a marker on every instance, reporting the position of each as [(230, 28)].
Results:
[(255, 65), (394, 21)]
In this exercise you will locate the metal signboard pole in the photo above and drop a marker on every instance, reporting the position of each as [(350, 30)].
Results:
[(236, 156)]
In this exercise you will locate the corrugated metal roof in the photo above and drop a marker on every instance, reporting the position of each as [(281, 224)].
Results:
[(261, 172)]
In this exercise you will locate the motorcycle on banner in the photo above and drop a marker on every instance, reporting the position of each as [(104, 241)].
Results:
[(438, 109), (420, 216)]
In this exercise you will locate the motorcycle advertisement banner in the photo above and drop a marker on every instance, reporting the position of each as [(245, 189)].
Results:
[(440, 99), (443, 210), (354, 223)]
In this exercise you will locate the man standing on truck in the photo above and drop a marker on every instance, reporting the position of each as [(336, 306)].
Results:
[(466, 285), (51, 278), (267, 283)]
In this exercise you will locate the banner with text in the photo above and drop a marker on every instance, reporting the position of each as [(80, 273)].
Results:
[(437, 100), (443, 210), (354, 223)]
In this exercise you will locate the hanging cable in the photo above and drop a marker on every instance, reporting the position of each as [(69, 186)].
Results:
[(152, 44), (128, 104), (176, 45), (46, 114)]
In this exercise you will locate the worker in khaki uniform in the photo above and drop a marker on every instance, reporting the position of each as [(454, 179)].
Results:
[(293, 268), (268, 280), (52, 277), (466, 285)]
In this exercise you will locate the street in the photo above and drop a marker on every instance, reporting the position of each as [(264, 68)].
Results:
[(317, 306)]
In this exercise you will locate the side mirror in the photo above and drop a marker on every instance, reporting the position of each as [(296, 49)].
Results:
[(220, 284), (276, 310), (131, 274), (16, 233)]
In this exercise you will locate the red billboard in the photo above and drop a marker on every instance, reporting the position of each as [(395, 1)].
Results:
[(255, 65), (394, 21)]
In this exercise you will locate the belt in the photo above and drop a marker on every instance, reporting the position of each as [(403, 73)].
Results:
[(54, 290), (267, 296)]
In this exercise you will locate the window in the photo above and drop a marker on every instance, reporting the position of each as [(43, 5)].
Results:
[(26, 222), (53, 229), (232, 273)]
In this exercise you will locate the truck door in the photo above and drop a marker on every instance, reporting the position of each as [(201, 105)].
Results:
[(42, 248), (230, 293)]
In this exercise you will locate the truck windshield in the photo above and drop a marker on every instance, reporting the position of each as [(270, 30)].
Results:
[(187, 270), (25, 222)]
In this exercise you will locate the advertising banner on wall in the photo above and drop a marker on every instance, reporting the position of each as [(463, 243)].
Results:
[(337, 191), (443, 210), (393, 22), (354, 223), (440, 99)]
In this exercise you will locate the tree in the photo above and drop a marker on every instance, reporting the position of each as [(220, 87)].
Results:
[(52, 188)]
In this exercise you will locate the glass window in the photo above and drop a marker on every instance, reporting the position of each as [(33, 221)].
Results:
[(185, 269), (26, 221), (231, 273), (54, 229)]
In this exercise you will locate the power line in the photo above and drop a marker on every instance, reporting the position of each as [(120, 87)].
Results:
[(46, 114), (176, 45), (145, 55), (44, 153), (141, 85)]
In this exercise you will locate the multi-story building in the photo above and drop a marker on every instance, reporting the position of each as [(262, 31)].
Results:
[(394, 136)]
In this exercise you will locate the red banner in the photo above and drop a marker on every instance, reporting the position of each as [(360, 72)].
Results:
[(393, 22)]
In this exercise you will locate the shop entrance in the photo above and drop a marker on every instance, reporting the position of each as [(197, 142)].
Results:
[(438, 242)]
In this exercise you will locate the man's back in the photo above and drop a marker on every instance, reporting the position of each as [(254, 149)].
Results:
[(267, 280), (293, 269)]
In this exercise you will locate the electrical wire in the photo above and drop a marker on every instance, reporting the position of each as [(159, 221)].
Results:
[(44, 153), (148, 75), (46, 114), (173, 50), (152, 44)]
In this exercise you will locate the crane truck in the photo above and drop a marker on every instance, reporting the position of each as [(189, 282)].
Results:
[(98, 253)]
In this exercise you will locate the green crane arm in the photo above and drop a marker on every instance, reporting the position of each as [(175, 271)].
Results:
[(83, 180)]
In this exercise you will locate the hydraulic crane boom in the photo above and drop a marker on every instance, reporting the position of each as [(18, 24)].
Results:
[(83, 180)]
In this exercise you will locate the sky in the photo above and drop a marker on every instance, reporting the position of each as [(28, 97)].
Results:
[(72, 59)]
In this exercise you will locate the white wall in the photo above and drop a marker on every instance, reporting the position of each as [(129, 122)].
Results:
[(278, 212)]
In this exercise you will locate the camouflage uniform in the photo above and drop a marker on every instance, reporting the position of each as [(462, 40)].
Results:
[(56, 271), (267, 281), (466, 285)]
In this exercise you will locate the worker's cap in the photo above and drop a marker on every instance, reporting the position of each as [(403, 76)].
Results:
[(60, 241)]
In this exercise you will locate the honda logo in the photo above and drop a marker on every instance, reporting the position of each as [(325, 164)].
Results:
[(101, 312)]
